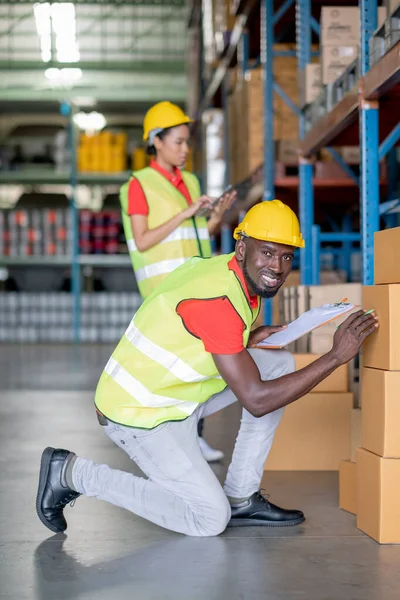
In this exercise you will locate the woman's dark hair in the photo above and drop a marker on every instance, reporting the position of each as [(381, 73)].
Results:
[(151, 150)]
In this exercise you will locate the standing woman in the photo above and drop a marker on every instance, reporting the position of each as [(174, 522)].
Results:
[(160, 205)]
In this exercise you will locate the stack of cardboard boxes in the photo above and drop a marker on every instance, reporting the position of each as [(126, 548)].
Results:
[(340, 39), (378, 461), (246, 114), (314, 434)]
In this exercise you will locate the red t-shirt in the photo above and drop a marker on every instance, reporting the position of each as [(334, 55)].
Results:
[(215, 321), (137, 203)]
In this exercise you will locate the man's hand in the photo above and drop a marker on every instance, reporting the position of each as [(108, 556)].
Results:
[(261, 333), (351, 334)]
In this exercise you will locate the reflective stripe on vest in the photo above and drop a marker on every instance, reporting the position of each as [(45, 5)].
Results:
[(164, 357), (191, 238), (160, 371), (137, 390), (181, 233)]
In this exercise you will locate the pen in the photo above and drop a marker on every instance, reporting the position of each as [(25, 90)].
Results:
[(366, 313)]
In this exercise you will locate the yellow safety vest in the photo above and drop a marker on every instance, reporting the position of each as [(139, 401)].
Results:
[(160, 371), (191, 238)]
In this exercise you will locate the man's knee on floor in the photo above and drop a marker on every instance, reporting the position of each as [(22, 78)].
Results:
[(214, 518)]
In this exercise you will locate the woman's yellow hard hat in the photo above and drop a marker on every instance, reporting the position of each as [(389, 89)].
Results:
[(163, 115), (271, 221)]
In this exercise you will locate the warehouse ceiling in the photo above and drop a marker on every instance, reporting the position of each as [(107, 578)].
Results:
[(130, 51)]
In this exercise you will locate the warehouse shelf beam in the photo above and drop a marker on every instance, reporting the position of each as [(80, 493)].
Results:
[(316, 250), (306, 196), (339, 160), (282, 10), (66, 109), (243, 52), (369, 140), (315, 26), (266, 55), (131, 66), (287, 100), (390, 141)]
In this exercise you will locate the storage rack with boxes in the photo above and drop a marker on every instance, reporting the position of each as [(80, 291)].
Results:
[(61, 232), (53, 243), (339, 137)]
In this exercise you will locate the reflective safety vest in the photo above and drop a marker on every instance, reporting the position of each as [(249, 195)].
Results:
[(160, 371), (191, 238)]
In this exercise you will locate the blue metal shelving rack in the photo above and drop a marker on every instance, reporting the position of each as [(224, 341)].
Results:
[(362, 106)]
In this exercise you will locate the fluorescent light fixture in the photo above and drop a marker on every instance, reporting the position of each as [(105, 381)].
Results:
[(84, 101), (90, 122), (65, 75), (57, 21)]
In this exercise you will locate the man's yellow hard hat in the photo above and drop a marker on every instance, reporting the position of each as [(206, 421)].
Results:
[(163, 115), (271, 221)]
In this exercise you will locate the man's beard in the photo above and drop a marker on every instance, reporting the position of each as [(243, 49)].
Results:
[(263, 292)]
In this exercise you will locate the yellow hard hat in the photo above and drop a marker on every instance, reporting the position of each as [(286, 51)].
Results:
[(162, 116), (271, 221)]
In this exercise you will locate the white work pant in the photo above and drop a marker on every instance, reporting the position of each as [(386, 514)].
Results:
[(182, 493)]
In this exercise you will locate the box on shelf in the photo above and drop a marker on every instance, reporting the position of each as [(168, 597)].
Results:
[(378, 496), (287, 152), (391, 5), (381, 412), (350, 154), (381, 350), (355, 426), (348, 486), (341, 24), (386, 256), (335, 60), (314, 434), (336, 382), (310, 83)]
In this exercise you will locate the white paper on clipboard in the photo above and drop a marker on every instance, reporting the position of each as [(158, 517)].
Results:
[(305, 323)]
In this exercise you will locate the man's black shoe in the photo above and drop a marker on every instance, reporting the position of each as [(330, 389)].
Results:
[(259, 511), (53, 492)]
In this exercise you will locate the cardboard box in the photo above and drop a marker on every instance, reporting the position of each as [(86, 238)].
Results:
[(350, 154), (391, 5), (348, 486), (335, 60), (287, 152), (341, 24), (381, 412), (378, 496), (355, 436), (387, 252), (338, 381), (310, 83), (314, 434), (381, 350)]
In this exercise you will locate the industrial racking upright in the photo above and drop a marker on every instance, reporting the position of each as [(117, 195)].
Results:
[(356, 118)]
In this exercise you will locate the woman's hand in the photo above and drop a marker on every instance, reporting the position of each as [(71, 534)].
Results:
[(202, 204), (218, 211), (224, 204), (263, 332)]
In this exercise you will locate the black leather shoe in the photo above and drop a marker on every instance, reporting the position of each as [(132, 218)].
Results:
[(259, 511), (53, 492)]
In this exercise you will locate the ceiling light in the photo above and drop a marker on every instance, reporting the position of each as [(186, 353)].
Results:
[(57, 20), (84, 101), (90, 122), (63, 75)]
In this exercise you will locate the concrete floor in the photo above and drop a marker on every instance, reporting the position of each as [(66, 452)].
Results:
[(112, 554)]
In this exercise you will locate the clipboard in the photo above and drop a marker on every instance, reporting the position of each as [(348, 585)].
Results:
[(308, 321)]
